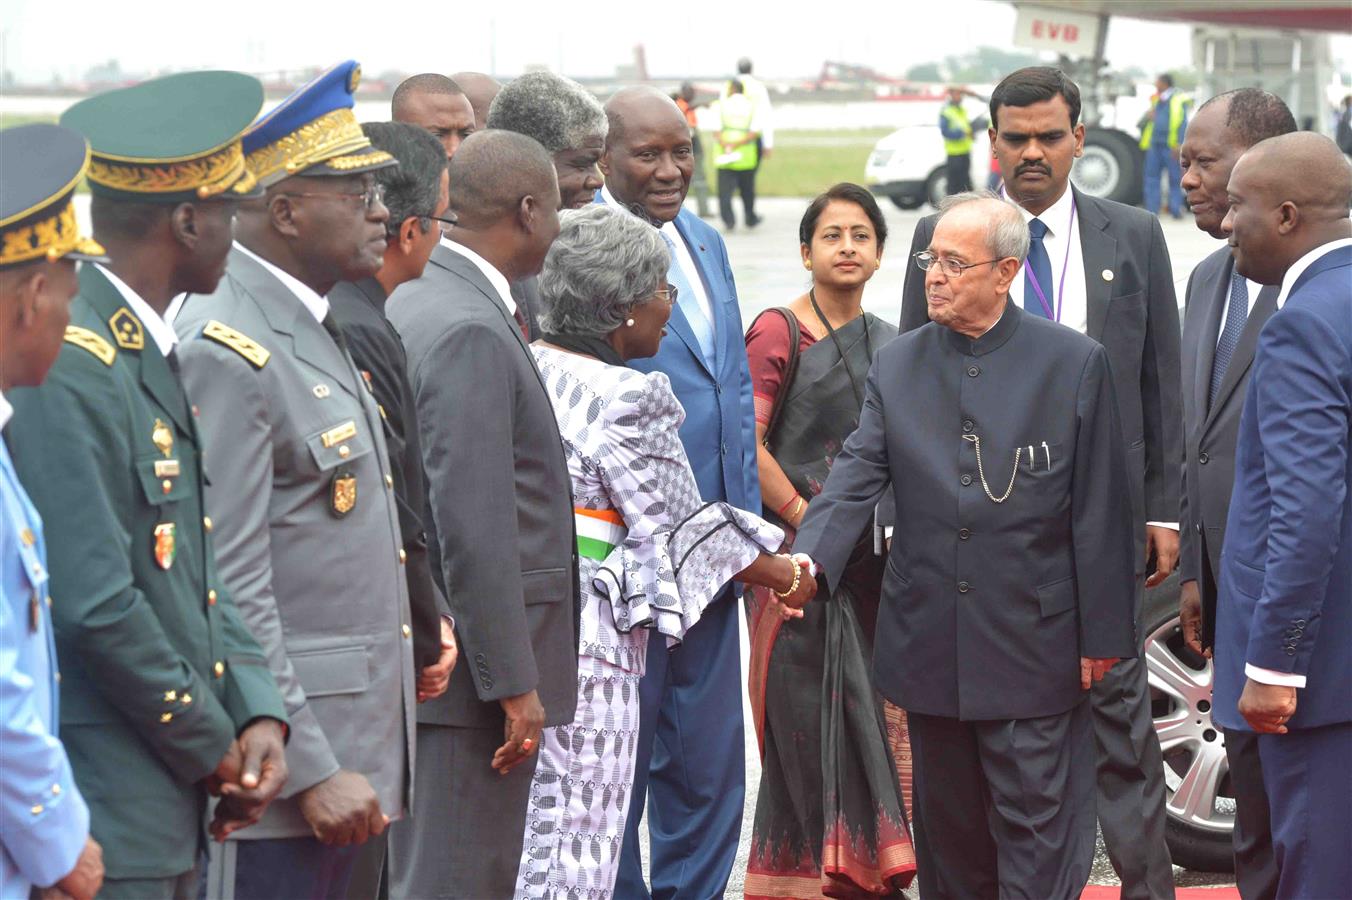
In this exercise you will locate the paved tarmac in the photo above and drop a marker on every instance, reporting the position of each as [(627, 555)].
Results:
[(769, 272)]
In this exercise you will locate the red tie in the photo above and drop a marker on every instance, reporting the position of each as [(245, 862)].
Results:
[(521, 323)]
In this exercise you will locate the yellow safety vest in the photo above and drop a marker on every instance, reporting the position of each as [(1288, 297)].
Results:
[(735, 113), (1177, 103), (956, 117)]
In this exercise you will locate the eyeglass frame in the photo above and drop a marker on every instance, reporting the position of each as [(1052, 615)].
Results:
[(944, 263), (667, 294), (374, 194)]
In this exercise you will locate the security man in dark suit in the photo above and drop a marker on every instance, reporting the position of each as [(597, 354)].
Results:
[(165, 693), (1225, 313), (1101, 268)]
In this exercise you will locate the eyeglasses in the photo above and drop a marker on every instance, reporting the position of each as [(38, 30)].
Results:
[(452, 220), (669, 294), (371, 197), (952, 268)]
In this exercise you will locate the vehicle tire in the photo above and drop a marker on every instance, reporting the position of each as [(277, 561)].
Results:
[(1199, 798), (907, 202), (1110, 167), (936, 186)]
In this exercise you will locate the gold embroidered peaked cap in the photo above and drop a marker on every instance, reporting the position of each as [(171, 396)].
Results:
[(42, 165), (314, 132), (171, 139)]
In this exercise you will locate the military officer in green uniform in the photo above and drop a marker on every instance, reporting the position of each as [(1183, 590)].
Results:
[(165, 694)]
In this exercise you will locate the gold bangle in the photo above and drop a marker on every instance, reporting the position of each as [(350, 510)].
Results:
[(797, 577), (798, 506)]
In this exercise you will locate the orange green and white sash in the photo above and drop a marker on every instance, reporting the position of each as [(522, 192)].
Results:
[(599, 531)]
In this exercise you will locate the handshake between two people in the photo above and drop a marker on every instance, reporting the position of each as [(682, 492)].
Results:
[(792, 580)]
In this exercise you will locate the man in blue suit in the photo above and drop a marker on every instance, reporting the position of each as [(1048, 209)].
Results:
[(690, 755), (1284, 617)]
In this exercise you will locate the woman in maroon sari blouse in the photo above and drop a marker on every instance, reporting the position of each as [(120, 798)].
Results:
[(830, 816)]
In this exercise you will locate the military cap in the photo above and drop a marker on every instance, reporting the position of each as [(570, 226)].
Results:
[(314, 132), (170, 139), (42, 165)]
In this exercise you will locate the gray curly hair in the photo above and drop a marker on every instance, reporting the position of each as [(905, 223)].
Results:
[(556, 111), (602, 264)]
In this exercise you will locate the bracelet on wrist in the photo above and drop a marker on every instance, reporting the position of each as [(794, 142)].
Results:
[(787, 503), (797, 578)]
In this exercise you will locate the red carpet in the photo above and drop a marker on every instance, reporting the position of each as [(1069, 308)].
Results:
[(1107, 892)]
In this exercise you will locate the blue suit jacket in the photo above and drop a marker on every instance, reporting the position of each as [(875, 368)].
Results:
[(1286, 570), (719, 432)]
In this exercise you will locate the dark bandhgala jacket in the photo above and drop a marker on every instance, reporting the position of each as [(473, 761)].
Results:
[(988, 606)]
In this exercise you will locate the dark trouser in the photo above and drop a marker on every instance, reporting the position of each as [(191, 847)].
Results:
[(1308, 772), (1159, 159), (1004, 808), (1131, 779), (690, 763), (370, 880), (298, 868), (744, 182), (176, 887), (464, 835), (1255, 865), (959, 172)]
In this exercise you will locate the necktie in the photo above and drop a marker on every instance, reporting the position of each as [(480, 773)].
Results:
[(522, 324), (1039, 265), (331, 326), (172, 359), (689, 304), (1236, 315)]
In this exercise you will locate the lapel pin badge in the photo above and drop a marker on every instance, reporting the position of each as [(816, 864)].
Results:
[(321, 391), (1107, 274)]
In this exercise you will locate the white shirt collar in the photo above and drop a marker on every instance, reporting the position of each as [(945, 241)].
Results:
[(1056, 216), (1299, 266), (495, 278), (667, 228), (159, 329), (5, 410), (317, 305)]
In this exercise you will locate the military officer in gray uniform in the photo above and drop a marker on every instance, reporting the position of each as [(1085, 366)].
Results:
[(306, 522)]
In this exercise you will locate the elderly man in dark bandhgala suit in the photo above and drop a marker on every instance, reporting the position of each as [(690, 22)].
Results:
[(1101, 268), (1009, 586)]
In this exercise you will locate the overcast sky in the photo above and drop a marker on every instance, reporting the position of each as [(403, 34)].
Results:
[(577, 37)]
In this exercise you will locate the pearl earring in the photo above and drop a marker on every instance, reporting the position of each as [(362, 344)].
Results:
[(629, 322)]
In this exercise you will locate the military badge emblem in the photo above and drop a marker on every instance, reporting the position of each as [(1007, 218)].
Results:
[(127, 330), (164, 545), (343, 492), (163, 438)]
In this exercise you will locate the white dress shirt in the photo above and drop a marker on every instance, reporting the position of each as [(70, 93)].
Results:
[(160, 332), (1257, 673), (317, 305), (495, 278), (6, 410), (683, 259)]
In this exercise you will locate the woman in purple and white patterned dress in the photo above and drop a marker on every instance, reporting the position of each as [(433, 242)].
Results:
[(651, 553)]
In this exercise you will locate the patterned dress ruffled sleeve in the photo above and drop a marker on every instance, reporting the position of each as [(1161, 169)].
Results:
[(679, 552)]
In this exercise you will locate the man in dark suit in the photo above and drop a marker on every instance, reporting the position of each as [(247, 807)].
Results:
[(989, 634), (1102, 269), (1225, 313), (416, 196), (1284, 617), (501, 519), (690, 762)]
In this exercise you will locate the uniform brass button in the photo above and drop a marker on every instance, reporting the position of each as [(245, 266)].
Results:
[(966, 480), (963, 587), (206, 522), (211, 597), (219, 669), (167, 485), (344, 451), (406, 630), (166, 718), (964, 534), (403, 557), (389, 481), (56, 790)]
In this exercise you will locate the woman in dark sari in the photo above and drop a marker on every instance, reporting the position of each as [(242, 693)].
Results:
[(830, 816)]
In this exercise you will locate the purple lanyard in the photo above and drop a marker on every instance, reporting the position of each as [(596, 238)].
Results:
[(1061, 287)]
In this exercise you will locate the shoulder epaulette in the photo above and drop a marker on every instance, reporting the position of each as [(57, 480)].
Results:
[(89, 340), (242, 344)]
